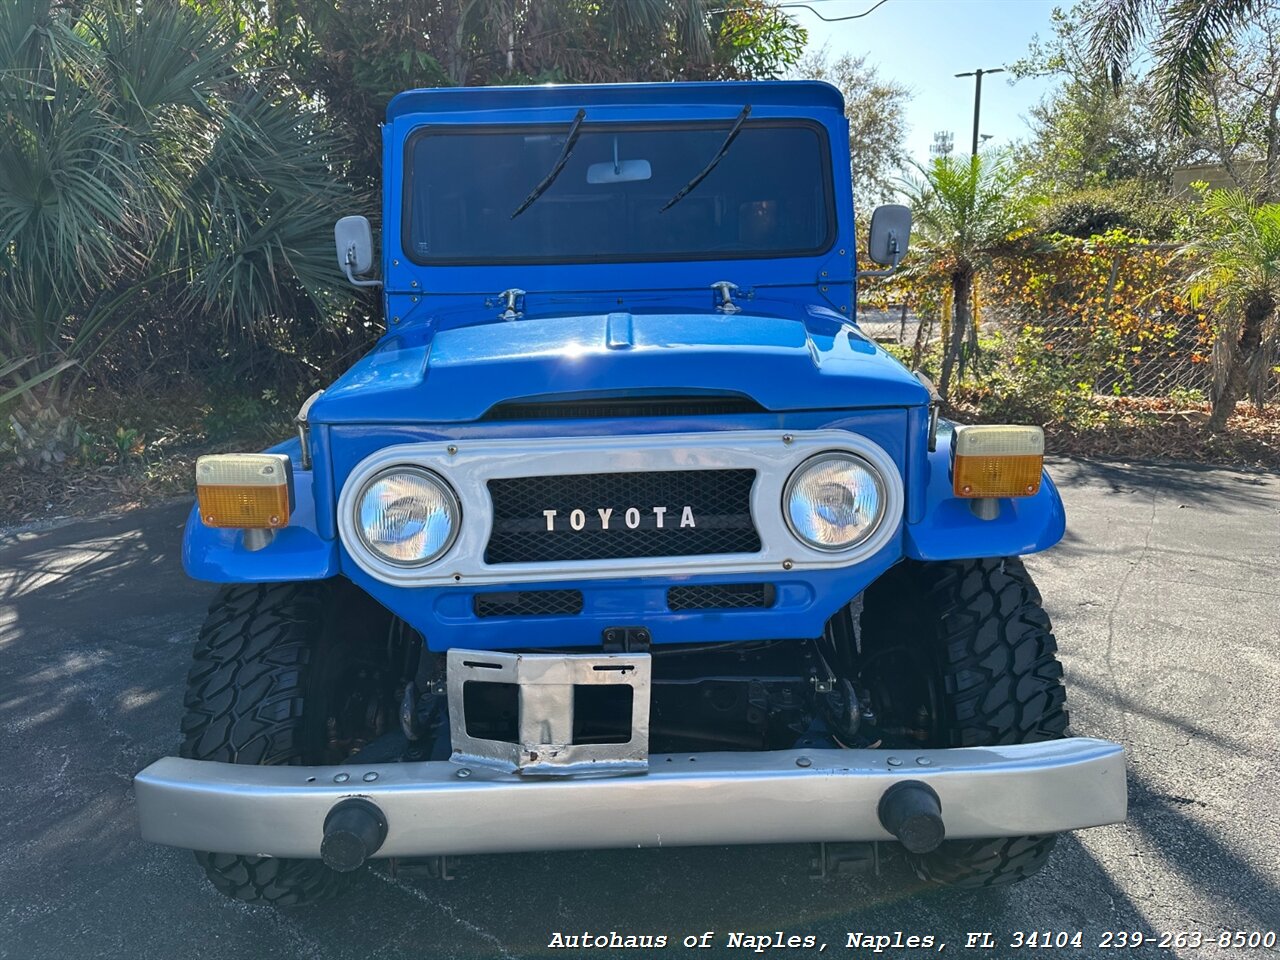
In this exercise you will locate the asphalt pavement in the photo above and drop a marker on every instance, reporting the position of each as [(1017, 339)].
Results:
[(1165, 601)]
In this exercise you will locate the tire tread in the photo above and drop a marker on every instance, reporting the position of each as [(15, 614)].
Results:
[(1002, 681), (246, 693)]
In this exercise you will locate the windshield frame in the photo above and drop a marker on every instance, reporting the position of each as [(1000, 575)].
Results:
[(458, 129)]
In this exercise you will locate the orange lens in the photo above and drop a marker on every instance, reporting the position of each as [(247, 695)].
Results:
[(1003, 476), (230, 505)]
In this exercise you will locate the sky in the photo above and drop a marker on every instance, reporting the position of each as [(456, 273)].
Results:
[(924, 43)]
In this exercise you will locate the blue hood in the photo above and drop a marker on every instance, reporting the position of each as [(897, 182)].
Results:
[(816, 362)]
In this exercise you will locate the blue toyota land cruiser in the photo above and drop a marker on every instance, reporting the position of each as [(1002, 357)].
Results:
[(623, 534)]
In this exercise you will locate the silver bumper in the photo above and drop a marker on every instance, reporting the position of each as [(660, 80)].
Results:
[(789, 796)]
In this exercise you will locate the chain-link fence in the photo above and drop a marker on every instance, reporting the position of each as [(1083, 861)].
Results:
[(1115, 323), (1173, 363), (1177, 366)]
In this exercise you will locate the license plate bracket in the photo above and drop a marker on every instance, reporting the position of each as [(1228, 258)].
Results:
[(545, 686)]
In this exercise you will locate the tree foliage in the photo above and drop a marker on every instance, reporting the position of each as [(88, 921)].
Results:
[(1237, 123), (967, 210), (1100, 127), (1134, 206), (178, 164), (876, 110), (1235, 258), (355, 55), (1187, 42), (1085, 134), (144, 177), (1216, 76)]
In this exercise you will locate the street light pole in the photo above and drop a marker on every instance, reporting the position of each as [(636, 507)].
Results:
[(977, 100)]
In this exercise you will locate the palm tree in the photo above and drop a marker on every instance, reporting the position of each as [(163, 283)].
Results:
[(966, 209), (1187, 39), (146, 178), (1237, 276)]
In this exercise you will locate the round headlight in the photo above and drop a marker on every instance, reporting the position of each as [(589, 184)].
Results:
[(407, 516), (834, 501)]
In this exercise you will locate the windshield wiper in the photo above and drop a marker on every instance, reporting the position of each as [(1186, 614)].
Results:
[(724, 148), (550, 178)]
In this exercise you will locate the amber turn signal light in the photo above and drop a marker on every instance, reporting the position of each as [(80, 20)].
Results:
[(997, 461), (244, 490)]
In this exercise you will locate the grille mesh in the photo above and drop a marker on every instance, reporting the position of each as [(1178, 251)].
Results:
[(528, 603), (719, 500), (721, 596)]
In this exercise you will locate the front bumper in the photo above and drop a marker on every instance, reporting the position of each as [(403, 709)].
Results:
[(789, 796)]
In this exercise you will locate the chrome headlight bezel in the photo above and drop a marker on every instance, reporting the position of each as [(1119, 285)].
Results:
[(844, 456), (468, 466), (452, 504)]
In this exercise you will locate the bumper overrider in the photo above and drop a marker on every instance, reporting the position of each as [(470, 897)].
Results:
[(544, 792)]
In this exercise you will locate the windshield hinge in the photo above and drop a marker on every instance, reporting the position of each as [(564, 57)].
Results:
[(514, 299), (935, 404), (726, 290), (301, 420)]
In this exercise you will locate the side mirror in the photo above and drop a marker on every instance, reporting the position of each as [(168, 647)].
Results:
[(354, 241), (889, 235)]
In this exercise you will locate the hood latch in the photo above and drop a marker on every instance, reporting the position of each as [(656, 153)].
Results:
[(515, 306), (726, 290)]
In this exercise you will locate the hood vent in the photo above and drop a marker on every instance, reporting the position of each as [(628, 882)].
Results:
[(622, 408)]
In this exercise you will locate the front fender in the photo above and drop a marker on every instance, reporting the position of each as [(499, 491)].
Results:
[(297, 552), (950, 531)]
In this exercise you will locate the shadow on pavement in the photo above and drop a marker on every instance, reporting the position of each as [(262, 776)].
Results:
[(1080, 680), (1196, 483)]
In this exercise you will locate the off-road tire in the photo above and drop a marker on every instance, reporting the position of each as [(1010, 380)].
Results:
[(999, 680), (262, 662)]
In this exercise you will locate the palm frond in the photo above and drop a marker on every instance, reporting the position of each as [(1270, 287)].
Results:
[(27, 385), (967, 207), (163, 57), (1234, 257), (1116, 27), (1187, 50), (140, 164), (258, 213)]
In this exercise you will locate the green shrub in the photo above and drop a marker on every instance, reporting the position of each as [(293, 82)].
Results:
[(1132, 207), (148, 179), (1027, 381)]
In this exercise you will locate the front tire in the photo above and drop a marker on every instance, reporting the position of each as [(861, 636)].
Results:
[(267, 687), (986, 661)]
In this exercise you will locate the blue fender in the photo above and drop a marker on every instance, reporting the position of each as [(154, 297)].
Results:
[(949, 530), (297, 552)]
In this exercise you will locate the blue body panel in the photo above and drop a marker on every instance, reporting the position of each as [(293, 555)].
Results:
[(790, 360), (946, 529), (949, 530), (298, 552), (802, 606), (798, 98), (595, 330)]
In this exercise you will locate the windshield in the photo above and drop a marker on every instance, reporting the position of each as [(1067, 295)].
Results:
[(769, 195)]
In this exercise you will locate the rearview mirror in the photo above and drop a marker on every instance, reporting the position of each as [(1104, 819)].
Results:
[(889, 234), (354, 241), (619, 171)]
